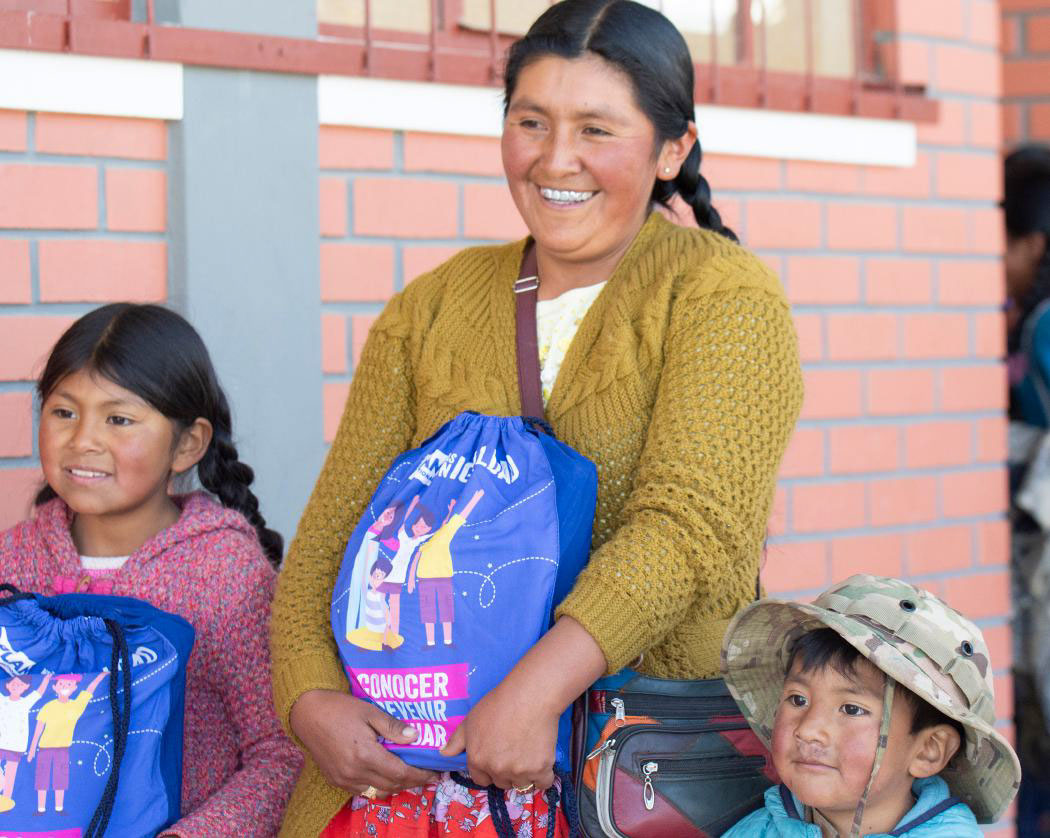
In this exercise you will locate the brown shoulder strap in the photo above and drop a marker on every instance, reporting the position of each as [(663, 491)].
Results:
[(525, 293)]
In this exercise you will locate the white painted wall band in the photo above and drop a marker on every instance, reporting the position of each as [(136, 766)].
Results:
[(84, 84), (57, 82), (476, 111)]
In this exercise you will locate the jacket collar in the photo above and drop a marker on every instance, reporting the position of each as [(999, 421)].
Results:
[(199, 514), (932, 798)]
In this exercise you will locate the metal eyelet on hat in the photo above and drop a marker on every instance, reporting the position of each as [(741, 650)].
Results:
[(966, 647), (907, 605)]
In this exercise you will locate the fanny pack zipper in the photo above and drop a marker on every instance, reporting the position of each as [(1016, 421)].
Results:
[(635, 704)]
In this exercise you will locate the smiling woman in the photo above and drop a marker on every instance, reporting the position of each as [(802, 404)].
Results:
[(670, 360)]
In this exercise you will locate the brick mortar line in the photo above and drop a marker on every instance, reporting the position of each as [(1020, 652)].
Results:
[(904, 420), (890, 529), (905, 472), (860, 307), (88, 234), (31, 158), (340, 307), (59, 308)]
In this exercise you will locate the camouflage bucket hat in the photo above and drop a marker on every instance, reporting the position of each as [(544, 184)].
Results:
[(910, 635)]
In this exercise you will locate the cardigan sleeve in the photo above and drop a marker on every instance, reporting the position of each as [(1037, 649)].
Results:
[(252, 799), (377, 425), (693, 524)]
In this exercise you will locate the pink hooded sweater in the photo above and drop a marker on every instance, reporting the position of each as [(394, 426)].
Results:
[(239, 768)]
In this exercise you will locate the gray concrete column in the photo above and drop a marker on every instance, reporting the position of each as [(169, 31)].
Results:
[(245, 247)]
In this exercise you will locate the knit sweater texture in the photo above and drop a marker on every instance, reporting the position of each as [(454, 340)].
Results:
[(208, 567), (682, 385)]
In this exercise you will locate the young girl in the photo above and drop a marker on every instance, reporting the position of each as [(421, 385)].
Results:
[(129, 402)]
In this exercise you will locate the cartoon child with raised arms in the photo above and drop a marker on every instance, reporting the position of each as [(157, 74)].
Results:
[(14, 729), (408, 539), (433, 567), (55, 723)]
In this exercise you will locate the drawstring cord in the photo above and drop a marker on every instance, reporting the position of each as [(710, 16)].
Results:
[(501, 820), (120, 662), (880, 750)]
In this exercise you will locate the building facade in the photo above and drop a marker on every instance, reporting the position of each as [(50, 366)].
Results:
[(279, 204)]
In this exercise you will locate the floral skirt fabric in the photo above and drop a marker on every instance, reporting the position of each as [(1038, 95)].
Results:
[(440, 809)]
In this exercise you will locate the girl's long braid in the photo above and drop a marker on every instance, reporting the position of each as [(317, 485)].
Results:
[(223, 474)]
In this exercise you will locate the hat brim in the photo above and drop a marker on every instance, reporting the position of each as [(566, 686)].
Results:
[(984, 773)]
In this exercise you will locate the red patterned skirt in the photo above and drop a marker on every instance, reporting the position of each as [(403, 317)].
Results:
[(444, 808)]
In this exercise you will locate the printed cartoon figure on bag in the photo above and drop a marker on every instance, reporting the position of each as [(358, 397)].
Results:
[(374, 621), (409, 538), (433, 567), (364, 598), (14, 729), (53, 737)]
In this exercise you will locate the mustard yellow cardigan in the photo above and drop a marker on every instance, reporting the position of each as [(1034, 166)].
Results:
[(682, 385)]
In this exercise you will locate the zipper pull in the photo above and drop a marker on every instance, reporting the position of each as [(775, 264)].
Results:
[(608, 743), (621, 715), (648, 794)]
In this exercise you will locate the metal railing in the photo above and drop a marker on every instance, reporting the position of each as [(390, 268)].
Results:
[(446, 48)]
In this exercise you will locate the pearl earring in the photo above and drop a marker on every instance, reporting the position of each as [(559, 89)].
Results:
[(667, 170)]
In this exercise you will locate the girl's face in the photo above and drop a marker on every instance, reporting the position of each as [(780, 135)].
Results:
[(579, 157), (385, 517), (106, 452), (420, 527)]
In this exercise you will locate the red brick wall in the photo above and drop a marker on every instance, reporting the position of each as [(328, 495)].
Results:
[(82, 222), (1026, 70)]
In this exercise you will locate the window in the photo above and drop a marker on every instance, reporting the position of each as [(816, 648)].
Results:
[(820, 55)]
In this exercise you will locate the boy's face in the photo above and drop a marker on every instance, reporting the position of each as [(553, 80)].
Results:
[(824, 738), (64, 688), (377, 578)]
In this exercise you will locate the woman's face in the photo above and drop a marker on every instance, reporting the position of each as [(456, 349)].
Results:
[(579, 157)]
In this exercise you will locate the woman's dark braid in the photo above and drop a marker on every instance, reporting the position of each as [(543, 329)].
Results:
[(223, 474), (695, 191)]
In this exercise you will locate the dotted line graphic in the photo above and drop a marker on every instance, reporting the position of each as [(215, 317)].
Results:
[(103, 750), (521, 502), (172, 661), (486, 578)]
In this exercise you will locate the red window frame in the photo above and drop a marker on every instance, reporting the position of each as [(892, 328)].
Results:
[(455, 54)]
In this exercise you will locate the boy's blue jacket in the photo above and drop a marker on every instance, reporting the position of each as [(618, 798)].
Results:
[(928, 818)]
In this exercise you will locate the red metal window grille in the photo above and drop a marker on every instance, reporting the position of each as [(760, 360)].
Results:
[(778, 54)]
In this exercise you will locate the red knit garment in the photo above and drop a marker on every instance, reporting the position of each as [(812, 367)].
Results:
[(238, 766)]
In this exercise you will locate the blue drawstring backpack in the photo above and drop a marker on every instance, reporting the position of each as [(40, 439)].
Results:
[(466, 547), (95, 686)]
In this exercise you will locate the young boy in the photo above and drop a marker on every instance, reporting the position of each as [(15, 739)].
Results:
[(876, 703)]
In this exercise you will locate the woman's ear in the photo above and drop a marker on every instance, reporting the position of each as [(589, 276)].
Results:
[(934, 748), (673, 153), (192, 445)]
